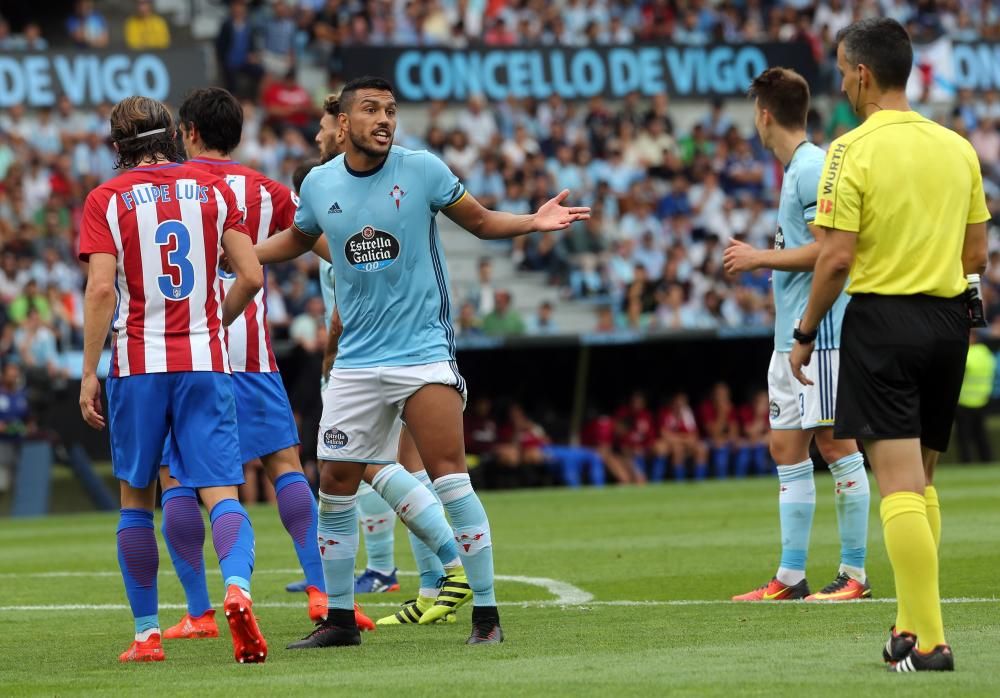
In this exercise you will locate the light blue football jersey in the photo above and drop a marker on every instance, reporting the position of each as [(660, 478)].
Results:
[(796, 210), (391, 281)]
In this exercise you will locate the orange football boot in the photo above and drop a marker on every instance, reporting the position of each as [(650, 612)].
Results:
[(193, 628), (148, 650), (776, 591), (249, 646)]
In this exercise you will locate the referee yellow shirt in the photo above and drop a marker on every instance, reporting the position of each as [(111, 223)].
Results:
[(908, 187)]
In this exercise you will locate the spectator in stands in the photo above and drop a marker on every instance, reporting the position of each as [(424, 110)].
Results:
[(519, 453), (636, 432), (13, 278), (36, 347), (640, 298), (755, 427), (719, 422), (237, 50), (606, 323), (288, 105), (599, 435), (483, 296), (14, 420), (87, 27), (680, 439), (30, 300), (145, 29), (278, 55), (542, 321), (469, 324), (480, 437), (503, 320), (478, 122)]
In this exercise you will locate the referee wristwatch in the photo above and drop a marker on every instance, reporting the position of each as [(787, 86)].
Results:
[(803, 337)]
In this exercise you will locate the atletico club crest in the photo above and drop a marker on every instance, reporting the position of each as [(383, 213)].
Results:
[(397, 195)]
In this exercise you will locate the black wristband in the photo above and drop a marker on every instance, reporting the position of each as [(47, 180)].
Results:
[(803, 338)]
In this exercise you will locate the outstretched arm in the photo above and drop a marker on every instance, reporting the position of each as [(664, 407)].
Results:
[(497, 225), (286, 245)]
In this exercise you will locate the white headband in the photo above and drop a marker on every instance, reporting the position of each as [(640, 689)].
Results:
[(147, 133)]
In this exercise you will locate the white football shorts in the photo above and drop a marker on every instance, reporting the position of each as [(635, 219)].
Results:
[(797, 406), (362, 408)]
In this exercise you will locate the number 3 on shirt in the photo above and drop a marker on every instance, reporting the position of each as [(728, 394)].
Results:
[(174, 239)]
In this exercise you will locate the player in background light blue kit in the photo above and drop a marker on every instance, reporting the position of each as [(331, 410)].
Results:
[(798, 412), (376, 206)]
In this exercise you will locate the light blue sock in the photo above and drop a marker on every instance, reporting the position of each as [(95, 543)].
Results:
[(419, 510), (337, 532), (378, 523), (232, 535), (852, 496), (796, 505), (428, 563), (472, 533)]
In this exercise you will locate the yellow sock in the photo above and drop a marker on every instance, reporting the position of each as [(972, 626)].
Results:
[(933, 513), (910, 544)]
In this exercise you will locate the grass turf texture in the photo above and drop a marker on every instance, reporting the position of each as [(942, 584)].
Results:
[(655, 544)]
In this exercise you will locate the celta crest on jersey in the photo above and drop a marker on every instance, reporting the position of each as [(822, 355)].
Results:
[(371, 249)]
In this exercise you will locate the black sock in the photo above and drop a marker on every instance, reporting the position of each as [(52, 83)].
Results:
[(485, 613), (341, 617)]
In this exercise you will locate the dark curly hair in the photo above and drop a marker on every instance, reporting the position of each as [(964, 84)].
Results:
[(133, 118)]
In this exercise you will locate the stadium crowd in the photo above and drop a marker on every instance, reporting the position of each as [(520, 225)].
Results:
[(665, 199)]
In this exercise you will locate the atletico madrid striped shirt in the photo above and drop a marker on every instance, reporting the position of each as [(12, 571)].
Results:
[(270, 207), (164, 225)]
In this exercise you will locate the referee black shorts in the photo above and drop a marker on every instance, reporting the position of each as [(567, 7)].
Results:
[(902, 361)]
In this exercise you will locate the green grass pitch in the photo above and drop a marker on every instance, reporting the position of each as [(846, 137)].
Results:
[(606, 592)]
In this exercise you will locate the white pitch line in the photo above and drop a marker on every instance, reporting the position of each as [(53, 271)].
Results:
[(515, 604), (565, 593)]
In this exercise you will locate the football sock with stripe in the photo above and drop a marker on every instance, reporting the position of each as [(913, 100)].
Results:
[(796, 506), (297, 509), (233, 538), (472, 533), (429, 565), (420, 511), (852, 496), (913, 555), (338, 547), (378, 523), (139, 560), (184, 533)]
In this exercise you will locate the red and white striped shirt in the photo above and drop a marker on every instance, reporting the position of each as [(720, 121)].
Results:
[(164, 224), (269, 207)]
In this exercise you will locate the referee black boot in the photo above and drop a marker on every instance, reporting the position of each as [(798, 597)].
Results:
[(898, 646), (938, 659)]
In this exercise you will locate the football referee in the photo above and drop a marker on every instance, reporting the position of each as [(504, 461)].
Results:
[(901, 199)]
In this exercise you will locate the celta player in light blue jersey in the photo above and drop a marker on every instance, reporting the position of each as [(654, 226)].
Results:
[(376, 207), (799, 413)]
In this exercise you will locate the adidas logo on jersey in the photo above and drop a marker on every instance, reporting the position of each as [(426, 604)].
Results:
[(335, 208)]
